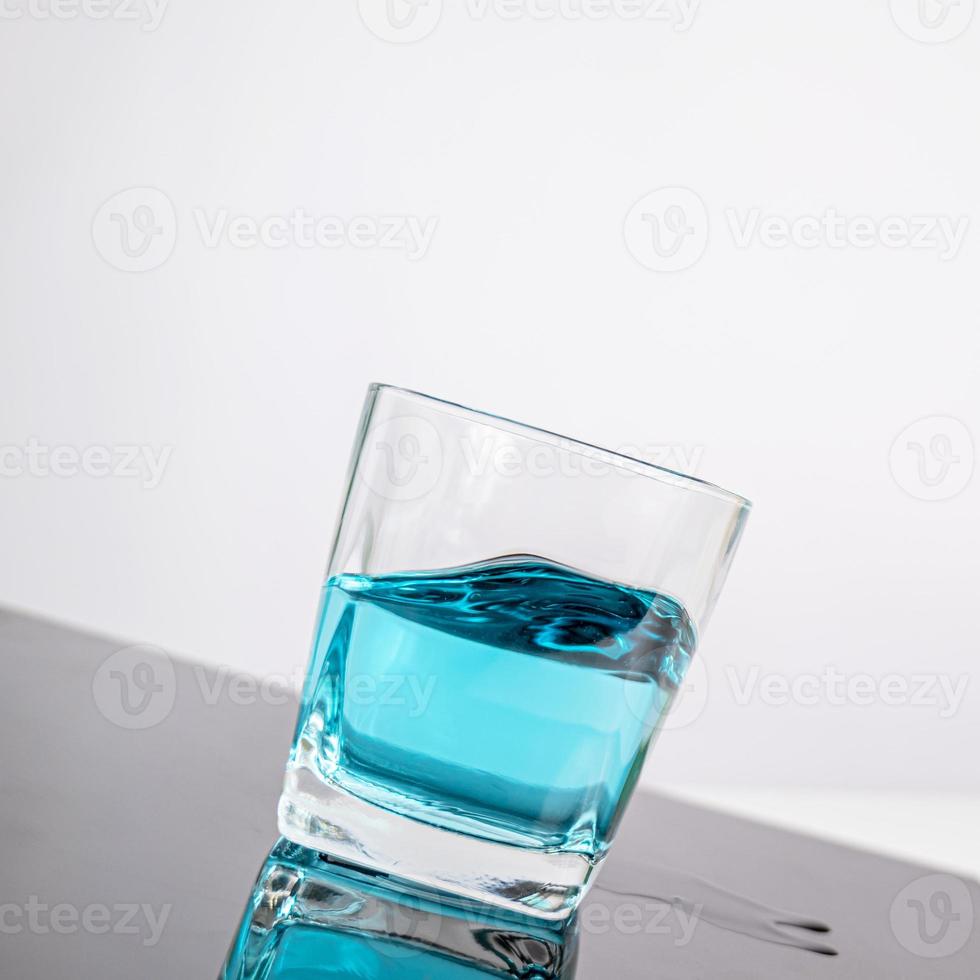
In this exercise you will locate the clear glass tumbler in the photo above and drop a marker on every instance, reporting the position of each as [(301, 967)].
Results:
[(506, 617)]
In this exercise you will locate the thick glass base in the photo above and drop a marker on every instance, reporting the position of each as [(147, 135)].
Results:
[(315, 919), (324, 817)]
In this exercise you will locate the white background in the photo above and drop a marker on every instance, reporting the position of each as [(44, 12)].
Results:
[(785, 373)]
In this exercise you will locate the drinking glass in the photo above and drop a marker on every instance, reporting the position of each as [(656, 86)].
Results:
[(506, 617), (309, 917)]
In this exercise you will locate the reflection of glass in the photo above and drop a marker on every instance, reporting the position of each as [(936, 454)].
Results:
[(313, 919), (506, 619)]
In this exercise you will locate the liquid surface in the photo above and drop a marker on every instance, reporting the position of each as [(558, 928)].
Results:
[(512, 699)]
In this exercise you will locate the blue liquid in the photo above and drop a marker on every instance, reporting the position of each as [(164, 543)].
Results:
[(512, 699), (308, 918)]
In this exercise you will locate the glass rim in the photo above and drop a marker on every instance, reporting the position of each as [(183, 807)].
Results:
[(569, 444)]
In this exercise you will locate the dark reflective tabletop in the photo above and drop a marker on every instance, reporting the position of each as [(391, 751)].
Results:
[(138, 806)]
